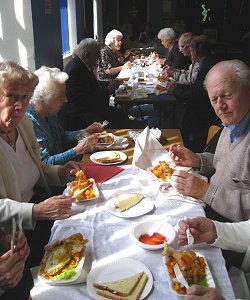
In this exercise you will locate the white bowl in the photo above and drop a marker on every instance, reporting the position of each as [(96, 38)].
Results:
[(165, 229)]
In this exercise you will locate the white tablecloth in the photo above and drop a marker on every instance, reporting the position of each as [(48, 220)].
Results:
[(109, 240)]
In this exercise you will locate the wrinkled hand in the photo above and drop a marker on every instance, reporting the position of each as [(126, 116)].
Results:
[(202, 229), (70, 168), (113, 85), (95, 127), (171, 86), (168, 71), (86, 145), (22, 247), (54, 208), (188, 184), (198, 292), (11, 270), (184, 157)]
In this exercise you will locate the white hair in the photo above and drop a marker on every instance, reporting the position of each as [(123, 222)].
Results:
[(111, 36), (167, 33), (238, 68), (49, 79)]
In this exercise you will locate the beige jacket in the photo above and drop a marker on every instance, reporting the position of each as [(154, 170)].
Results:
[(10, 197)]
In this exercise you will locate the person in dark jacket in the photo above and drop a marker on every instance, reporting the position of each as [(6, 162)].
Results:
[(174, 59), (88, 98), (199, 114)]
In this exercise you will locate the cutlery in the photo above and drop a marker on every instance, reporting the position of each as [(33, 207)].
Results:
[(157, 227), (190, 237), (13, 236), (84, 189), (105, 122), (179, 276)]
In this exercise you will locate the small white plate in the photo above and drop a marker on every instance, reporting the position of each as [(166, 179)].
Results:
[(119, 143), (209, 276), (96, 155), (143, 207), (116, 270), (66, 193)]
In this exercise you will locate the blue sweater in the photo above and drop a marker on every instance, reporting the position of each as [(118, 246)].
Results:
[(55, 143)]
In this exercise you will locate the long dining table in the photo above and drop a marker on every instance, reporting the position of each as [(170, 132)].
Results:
[(109, 235)]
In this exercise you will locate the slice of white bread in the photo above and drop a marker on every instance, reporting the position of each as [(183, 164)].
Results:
[(126, 201), (135, 294)]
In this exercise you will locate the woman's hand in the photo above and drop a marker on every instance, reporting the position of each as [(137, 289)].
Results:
[(70, 168), (11, 270), (202, 229), (54, 208), (188, 184), (184, 157), (86, 145), (22, 247), (94, 128), (198, 292)]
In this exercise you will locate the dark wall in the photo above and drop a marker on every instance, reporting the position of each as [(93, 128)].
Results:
[(47, 33)]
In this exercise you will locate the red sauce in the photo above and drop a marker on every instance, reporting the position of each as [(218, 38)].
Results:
[(155, 239)]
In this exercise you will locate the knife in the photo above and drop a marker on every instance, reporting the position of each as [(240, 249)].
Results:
[(13, 236)]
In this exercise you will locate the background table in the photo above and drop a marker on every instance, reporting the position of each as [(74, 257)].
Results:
[(168, 137)]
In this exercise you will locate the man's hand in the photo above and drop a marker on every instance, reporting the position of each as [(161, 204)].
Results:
[(202, 229), (188, 184), (184, 157), (198, 292)]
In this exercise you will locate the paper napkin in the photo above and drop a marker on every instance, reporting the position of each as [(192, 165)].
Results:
[(100, 173)]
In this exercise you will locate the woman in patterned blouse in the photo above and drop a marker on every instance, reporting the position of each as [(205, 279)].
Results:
[(111, 61)]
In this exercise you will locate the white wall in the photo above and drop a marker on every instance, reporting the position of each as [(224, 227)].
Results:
[(16, 32)]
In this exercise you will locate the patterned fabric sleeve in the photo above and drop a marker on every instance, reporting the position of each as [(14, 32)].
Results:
[(108, 60)]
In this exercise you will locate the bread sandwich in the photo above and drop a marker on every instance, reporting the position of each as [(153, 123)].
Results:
[(129, 288), (126, 201), (112, 158)]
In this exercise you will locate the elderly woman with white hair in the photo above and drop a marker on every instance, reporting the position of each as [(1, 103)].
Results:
[(57, 146), (174, 59), (110, 63)]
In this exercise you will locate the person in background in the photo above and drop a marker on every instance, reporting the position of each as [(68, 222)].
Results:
[(57, 146), (229, 236), (111, 62), (199, 114), (227, 192), (88, 98), (147, 36), (180, 75), (174, 58), (24, 180)]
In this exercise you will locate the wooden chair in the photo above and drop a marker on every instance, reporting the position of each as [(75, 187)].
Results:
[(212, 131), (212, 138)]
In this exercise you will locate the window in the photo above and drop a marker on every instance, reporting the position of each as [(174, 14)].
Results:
[(64, 27)]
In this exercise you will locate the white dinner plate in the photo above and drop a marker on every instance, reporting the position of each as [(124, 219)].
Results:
[(96, 155), (116, 270), (143, 207), (209, 276)]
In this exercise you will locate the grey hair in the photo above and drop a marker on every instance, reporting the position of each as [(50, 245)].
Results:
[(187, 37), (49, 78), (238, 68), (87, 46), (167, 33), (111, 36)]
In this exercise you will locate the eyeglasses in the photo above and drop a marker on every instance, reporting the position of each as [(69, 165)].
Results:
[(182, 46), (12, 97)]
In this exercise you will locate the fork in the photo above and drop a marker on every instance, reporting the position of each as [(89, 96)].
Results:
[(190, 237), (179, 276), (105, 122)]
